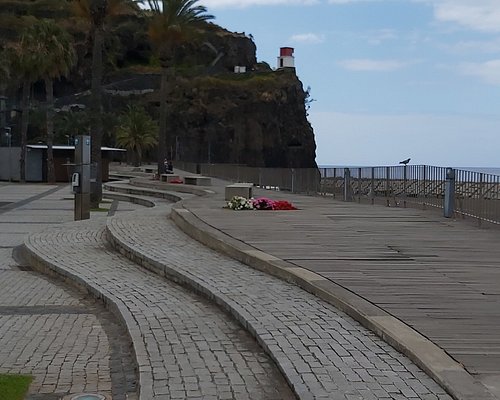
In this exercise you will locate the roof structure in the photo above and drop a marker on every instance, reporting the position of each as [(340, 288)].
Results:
[(44, 146)]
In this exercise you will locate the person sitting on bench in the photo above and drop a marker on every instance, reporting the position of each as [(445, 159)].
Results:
[(169, 168)]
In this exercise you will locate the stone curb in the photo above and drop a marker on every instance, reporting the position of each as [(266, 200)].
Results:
[(116, 306), (134, 192), (174, 187), (428, 356)]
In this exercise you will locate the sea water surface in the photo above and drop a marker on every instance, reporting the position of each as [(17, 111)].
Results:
[(484, 170)]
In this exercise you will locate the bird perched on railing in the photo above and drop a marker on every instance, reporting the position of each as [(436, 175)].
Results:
[(405, 161)]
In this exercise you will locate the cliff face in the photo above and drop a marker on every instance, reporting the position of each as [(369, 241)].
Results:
[(255, 119)]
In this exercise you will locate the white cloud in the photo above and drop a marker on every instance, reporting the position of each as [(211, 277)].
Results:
[(247, 3), (475, 46), (308, 38), (363, 64), (488, 71), (481, 15)]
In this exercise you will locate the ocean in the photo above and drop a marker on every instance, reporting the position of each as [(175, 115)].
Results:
[(484, 170)]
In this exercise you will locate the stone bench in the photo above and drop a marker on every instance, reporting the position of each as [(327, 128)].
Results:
[(169, 177), (150, 170), (238, 189), (197, 180)]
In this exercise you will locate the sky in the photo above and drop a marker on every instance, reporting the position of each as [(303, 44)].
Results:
[(390, 79)]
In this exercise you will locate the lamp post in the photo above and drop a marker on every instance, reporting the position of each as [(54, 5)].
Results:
[(8, 133)]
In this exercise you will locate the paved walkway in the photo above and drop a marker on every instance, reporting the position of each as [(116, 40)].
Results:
[(67, 341), (320, 351), (186, 348), (421, 264), (441, 277)]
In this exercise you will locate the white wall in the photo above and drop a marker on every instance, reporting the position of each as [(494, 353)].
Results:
[(12, 154)]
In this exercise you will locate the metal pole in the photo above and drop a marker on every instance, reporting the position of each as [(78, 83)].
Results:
[(347, 185), (405, 184), (82, 167), (449, 193), (8, 132), (372, 188)]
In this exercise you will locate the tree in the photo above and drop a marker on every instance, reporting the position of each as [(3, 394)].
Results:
[(173, 23), (97, 14), (137, 132), (4, 70), (70, 124), (57, 59), (4, 80), (26, 58)]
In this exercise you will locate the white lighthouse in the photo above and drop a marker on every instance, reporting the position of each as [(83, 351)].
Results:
[(286, 58)]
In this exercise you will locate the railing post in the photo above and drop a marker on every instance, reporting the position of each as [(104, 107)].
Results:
[(424, 189), (372, 188), (449, 193), (292, 171), (405, 185), (347, 185), (359, 185), (334, 183), (480, 200), (387, 186)]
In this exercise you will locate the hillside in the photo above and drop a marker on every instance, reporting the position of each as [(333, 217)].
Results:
[(257, 118)]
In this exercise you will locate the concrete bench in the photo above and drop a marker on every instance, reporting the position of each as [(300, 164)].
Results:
[(168, 177), (197, 180), (238, 189), (150, 170)]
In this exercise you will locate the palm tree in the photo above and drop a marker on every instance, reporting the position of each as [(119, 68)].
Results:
[(58, 58), (26, 57), (137, 132), (4, 80), (97, 14), (70, 124), (173, 22)]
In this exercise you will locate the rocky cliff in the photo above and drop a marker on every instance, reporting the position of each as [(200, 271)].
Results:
[(256, 118)]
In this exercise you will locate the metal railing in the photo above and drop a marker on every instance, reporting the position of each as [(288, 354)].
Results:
[(295, 180), (474, 194), (420, 185), (478, 195)]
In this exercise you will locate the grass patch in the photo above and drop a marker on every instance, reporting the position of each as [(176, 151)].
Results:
[(14, 387), (99, 209)]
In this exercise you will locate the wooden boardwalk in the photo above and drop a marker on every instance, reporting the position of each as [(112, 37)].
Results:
[(439, 276)]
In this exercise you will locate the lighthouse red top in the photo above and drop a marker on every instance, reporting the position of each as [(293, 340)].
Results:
[(286, 51)]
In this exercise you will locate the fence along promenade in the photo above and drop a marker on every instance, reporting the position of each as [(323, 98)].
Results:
[(460, 193)]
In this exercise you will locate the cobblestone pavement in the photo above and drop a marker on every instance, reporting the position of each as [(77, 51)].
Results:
[(186, 347), (322, 352), (68, 342)]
